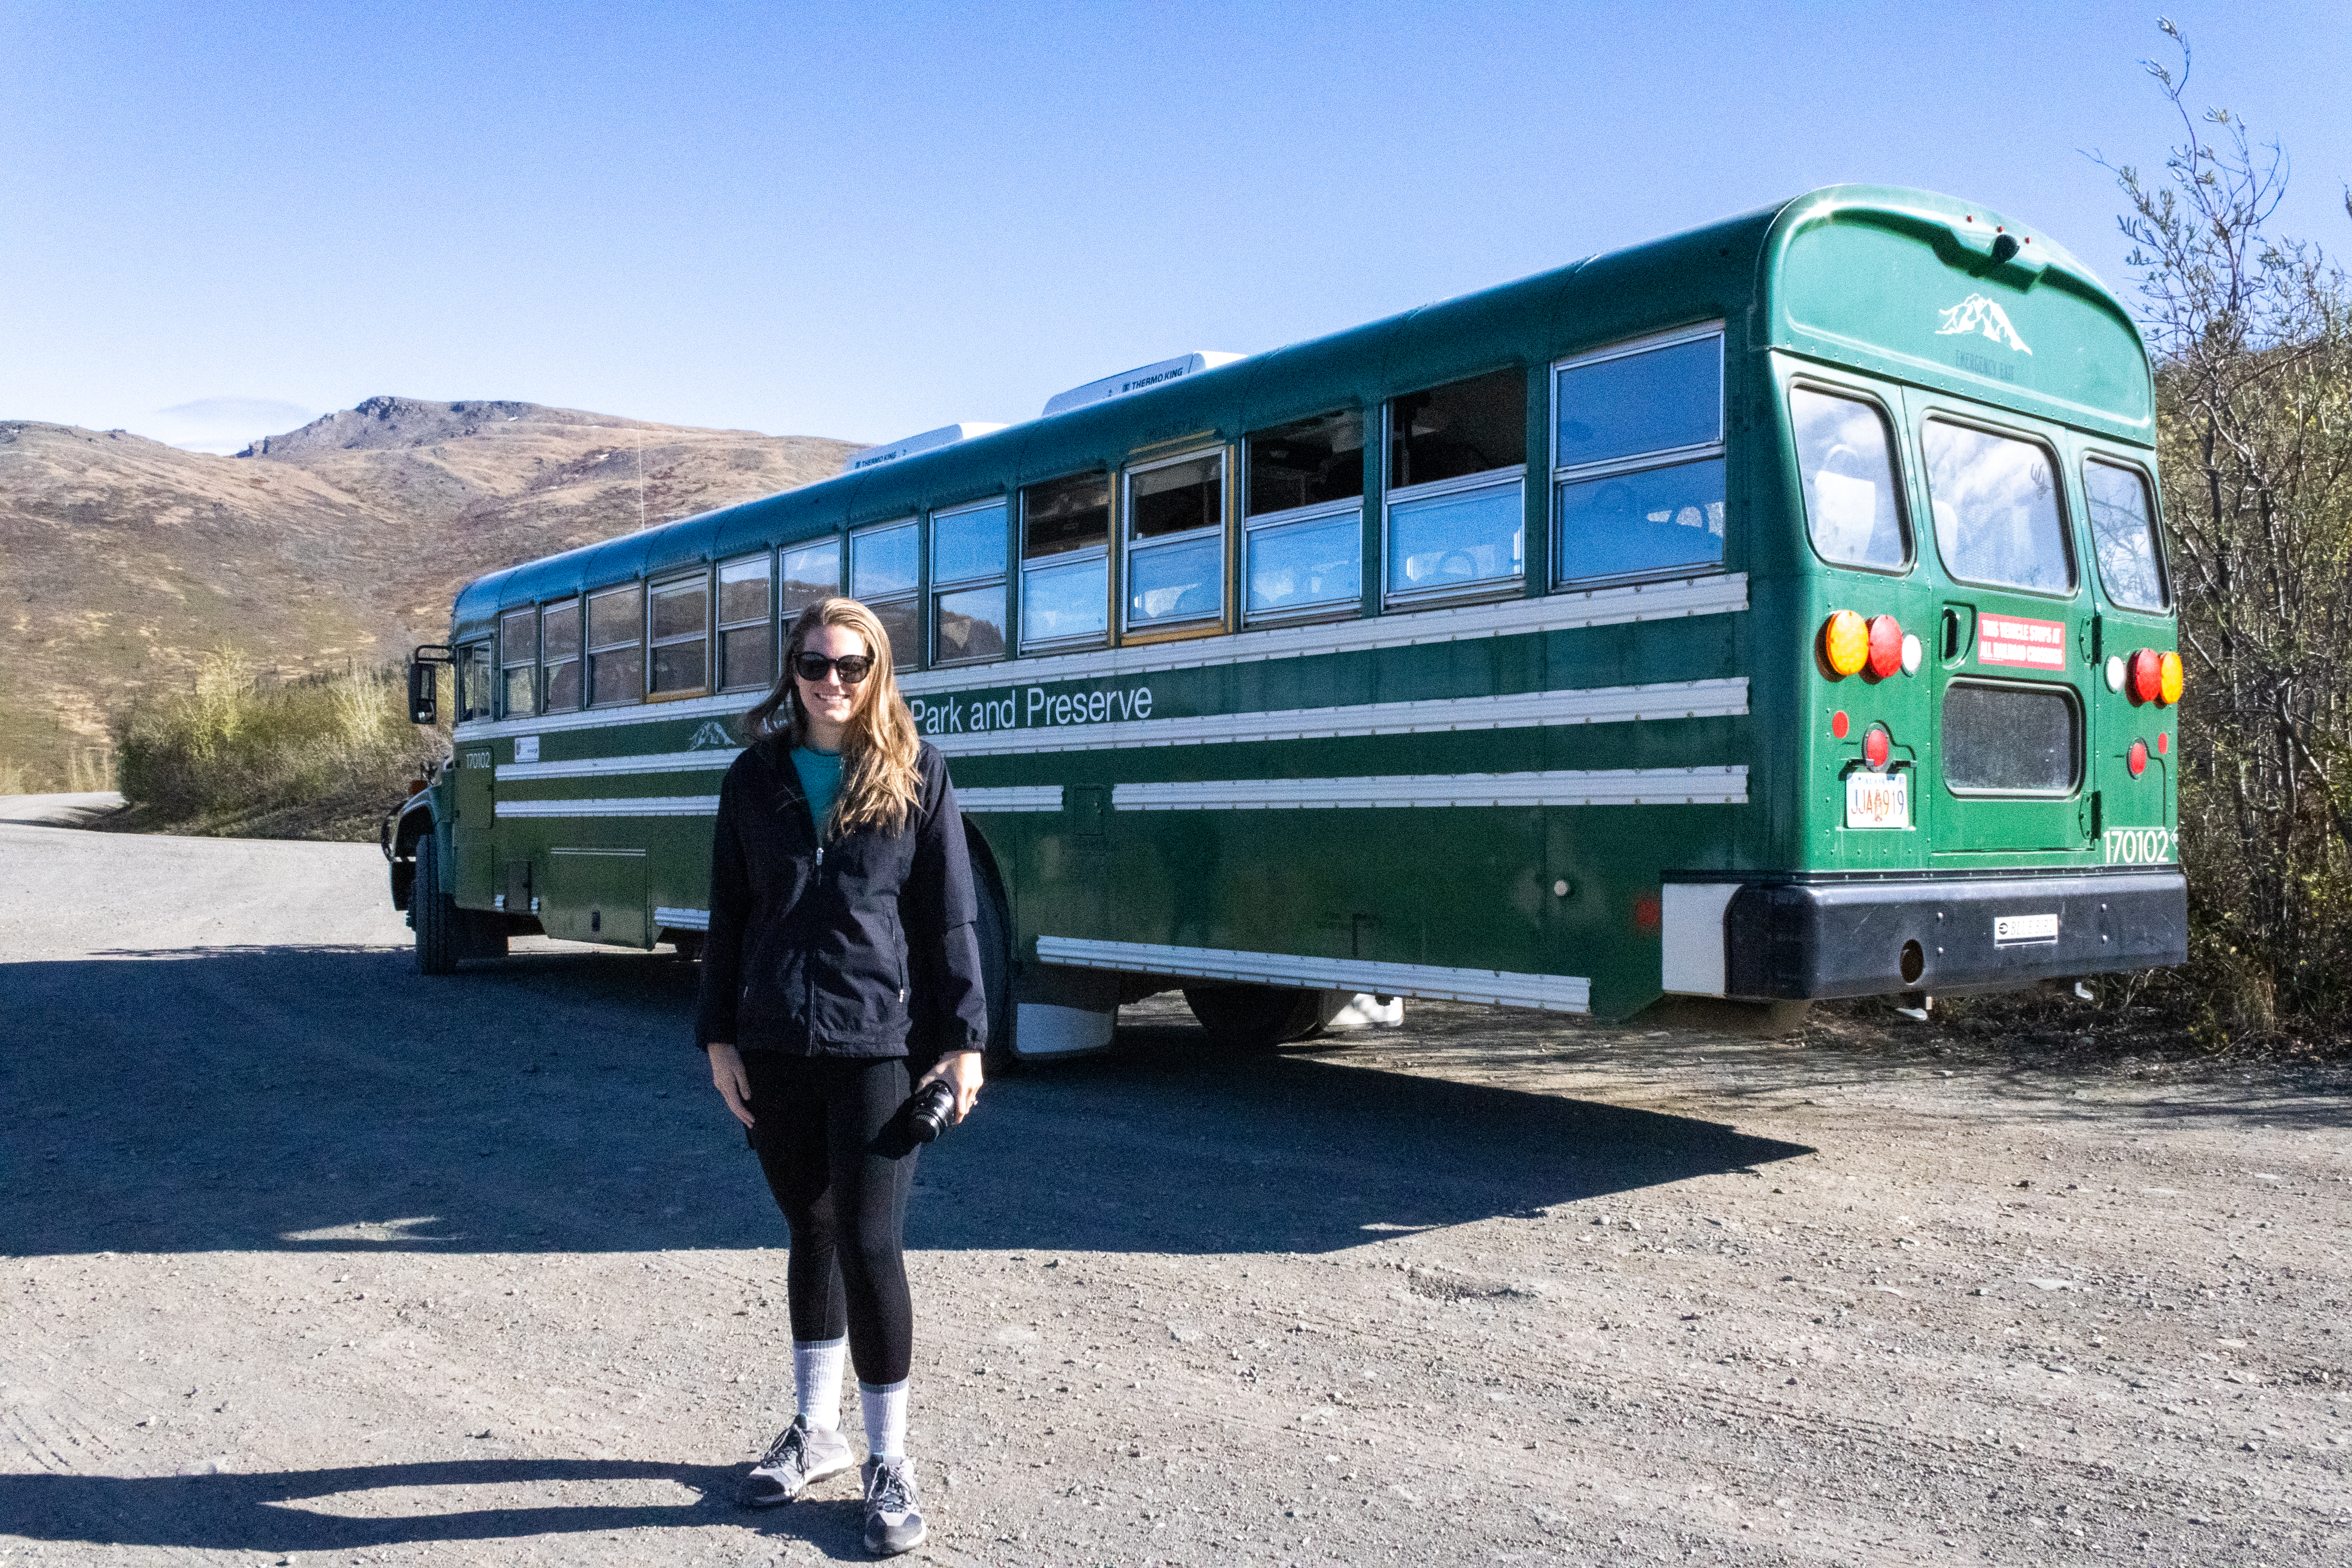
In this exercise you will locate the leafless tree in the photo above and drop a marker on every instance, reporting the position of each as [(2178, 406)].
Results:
[(2252, 337)]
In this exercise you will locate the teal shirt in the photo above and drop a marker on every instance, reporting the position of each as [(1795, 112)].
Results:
[(820, 781)]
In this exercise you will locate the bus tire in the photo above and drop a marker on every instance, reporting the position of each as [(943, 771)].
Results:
[(1257, 1017), (993, 932), (433, 912)]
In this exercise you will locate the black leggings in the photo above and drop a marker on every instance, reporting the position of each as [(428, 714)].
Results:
[(840, 1172)]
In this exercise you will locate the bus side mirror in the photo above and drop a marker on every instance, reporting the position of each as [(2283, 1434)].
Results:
[(424, 683), (423, 706)]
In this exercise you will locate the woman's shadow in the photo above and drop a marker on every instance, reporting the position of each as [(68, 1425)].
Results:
[(278, 1512)]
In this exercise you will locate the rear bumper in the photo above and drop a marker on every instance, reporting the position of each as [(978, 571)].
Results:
[(1801, 939)]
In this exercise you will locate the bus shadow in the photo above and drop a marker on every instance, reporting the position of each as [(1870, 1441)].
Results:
[(331, 1100), (1167, 1145)]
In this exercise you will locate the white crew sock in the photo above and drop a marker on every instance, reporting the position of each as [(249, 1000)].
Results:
[(885, 1418), (816, 1380)]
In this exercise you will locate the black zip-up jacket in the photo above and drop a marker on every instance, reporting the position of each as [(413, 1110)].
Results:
[(841, 948)]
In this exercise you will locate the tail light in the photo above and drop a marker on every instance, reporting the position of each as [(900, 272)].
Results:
[(2170, 678), (1846, 643), (2146, 680), (1885, 645), (2136, 758), (1876, 747)]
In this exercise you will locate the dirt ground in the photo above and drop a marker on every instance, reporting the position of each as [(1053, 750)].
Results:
[(312, 1260)]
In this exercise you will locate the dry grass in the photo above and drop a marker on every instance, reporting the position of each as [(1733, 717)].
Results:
[(229, 756)]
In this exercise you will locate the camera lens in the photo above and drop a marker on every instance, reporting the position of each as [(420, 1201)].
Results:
[(928, 1111)]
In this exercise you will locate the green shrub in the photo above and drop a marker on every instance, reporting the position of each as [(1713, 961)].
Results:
[(319, 757)]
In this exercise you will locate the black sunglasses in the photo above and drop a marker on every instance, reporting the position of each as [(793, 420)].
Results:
[(811, 667)]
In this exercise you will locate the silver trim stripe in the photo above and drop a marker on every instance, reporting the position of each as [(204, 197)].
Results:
[(1595, 705), (712, 760), (1011, 797), (681, 920), (1709, 595), (628, 805), (1608, 787), (1552, 992)]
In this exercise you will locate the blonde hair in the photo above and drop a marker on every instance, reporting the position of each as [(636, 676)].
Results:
[(879, 784)]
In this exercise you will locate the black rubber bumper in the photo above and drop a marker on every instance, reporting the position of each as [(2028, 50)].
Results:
[(1806, 941)]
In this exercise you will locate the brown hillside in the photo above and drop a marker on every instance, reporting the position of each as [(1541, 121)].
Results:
[(122, 559)]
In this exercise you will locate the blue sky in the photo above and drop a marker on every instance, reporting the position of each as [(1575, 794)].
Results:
[(216, 221)]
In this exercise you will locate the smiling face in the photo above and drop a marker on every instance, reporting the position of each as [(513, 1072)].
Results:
[(831, 702)]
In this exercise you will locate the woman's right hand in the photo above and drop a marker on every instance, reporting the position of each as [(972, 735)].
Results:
[(734, 1084)]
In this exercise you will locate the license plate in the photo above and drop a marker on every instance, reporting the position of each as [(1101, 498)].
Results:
[(1878, 800), (2007, 928)]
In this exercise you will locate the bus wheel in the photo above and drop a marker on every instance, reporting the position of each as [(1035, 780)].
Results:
[(1257, 1017), (993, 932), (434, 913)]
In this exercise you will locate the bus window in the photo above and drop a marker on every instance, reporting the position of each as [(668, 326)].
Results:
[(1457, 462), (1065, 561), (1996, 503), (885, 566), (617, 649), (559, 653), (747, 637), (679, 625), (812, 572), (1637, 459), (1302, 532), (967, 583), (2011, 740), (2123, 532), (1845, 460), (519, 660), (1176, 542), (473, 676)]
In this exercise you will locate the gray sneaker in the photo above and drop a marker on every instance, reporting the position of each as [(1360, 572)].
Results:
[(894, 1515), (801, 1454)]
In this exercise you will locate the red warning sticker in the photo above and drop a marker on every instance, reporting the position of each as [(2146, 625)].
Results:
[(2021, 644)]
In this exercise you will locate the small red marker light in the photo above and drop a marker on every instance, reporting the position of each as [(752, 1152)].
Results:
[(1885, 645), (2163, 744), (2136, 758), (1876, 747), (1839, 724)]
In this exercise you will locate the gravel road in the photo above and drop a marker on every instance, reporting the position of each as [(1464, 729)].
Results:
[(310, 1260)]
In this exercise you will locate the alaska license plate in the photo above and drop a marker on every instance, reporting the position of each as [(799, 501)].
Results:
[(1878, 800)]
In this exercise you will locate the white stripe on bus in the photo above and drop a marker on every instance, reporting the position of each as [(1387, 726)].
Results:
[(1553, 993), (1607, 786), (1011, 797), (709, 760), (1594, 705), (682, 919), (631, 805), (1709, 595)]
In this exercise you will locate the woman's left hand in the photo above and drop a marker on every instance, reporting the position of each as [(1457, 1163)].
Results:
[(961, 1070)]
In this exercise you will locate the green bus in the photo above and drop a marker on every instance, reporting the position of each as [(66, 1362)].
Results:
[(1769, 613)]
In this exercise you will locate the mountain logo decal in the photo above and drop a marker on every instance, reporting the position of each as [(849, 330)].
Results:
[(1978, 314), (712, 733)]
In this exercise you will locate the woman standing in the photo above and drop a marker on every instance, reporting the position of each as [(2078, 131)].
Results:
[(841, 924)]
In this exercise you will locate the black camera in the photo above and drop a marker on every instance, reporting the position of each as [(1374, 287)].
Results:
[(930, 1110)]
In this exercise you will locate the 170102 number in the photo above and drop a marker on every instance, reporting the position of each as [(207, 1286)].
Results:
[(2140, 846)]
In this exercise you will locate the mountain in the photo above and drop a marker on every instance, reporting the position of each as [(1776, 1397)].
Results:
[(122, 559)]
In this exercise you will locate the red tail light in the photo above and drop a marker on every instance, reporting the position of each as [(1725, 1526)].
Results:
[(1885, 645), (2136, 758), (1876, 747), (2145, 681)]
